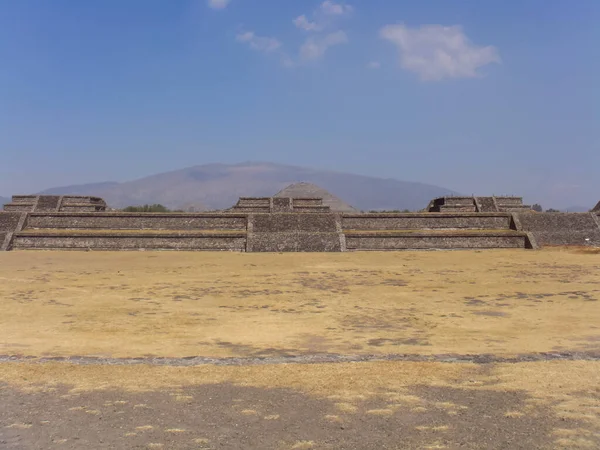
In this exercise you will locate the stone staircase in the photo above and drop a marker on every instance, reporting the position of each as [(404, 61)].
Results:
[(47, 203)]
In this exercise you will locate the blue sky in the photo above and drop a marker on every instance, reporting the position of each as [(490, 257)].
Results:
[(477, 96)]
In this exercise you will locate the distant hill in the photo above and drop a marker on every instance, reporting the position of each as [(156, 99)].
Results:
[(218, 186), (3, 201), (81, 189), (576, 209)]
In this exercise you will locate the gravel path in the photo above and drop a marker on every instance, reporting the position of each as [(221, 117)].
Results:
[(306, 359)]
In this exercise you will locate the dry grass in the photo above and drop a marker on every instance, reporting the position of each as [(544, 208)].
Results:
[(230, 304)]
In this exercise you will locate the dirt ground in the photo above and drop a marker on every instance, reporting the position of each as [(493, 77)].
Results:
[(178, 305), (230, 304), (375, 405)]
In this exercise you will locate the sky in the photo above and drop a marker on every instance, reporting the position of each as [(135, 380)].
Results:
[(483, 97)]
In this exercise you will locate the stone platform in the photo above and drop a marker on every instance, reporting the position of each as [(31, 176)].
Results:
[(290, 225)]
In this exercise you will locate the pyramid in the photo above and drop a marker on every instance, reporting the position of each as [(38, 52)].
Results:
[(309, 190), (596, 208)]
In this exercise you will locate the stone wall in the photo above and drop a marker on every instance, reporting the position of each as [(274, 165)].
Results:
[(255, 205), (561, 228), (10, 223), (310, 223), (294, 242), (493, 221), (487, 204), (9, 220), (55, 203), (430, 241), (477, 204), (116, 241), (142, 221), (291, 232), (284, 227)]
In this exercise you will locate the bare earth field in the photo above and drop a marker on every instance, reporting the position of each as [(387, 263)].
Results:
[(469, 349)]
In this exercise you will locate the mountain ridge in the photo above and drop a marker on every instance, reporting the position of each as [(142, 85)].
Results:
[(218, 186)]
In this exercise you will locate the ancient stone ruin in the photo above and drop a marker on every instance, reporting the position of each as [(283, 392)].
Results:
[(309, 190), (55, 203), (290, 224), (478, 204)]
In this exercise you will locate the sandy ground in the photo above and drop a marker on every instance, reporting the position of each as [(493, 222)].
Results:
[(223, 304), (118, 305)]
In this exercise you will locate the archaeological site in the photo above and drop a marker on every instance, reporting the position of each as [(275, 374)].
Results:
[(290, 221)]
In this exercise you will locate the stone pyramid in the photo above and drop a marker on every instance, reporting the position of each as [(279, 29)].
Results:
[(309, 190)]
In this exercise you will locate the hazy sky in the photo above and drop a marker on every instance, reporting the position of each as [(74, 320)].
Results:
[(477, 96)]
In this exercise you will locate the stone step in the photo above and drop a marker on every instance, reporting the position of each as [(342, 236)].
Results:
[(137, 221), (514, 201), (434, 240), (516, 208), (61, 239), (427, 221), (29, 199), (458, 208), (18, 207), (458, 201)]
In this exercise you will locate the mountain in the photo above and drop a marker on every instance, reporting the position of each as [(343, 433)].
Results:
[(218, 186), (3, 201), (81, 189)]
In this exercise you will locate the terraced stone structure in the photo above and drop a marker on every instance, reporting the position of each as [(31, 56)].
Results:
[(478, 204), (288, 224), (55, 203)]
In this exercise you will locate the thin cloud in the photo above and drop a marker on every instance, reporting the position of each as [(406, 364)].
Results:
[(218, 4), (323, 16), (374, 65), (304, 24), (436, 52), (315, 47), (335, 9), (259, 43), (318, 42)]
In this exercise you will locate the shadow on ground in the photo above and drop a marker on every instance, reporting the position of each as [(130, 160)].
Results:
[(234, 417)]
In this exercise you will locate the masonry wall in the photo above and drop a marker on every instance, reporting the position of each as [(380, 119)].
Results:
[(132, 221), (123, 242), (284, 232), (427, 242), (492, 221), (294, 242), (9, 221), (295, 233), (271, 223), (561, 228)]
